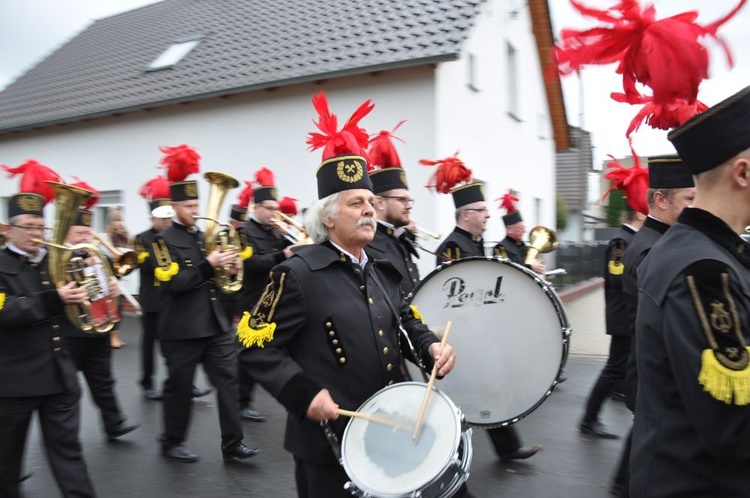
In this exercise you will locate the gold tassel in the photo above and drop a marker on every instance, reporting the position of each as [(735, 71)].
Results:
[(416, 313), (246, 253), (2, 300), (249, 336), (142, 256), (724, 384), (166, 274)]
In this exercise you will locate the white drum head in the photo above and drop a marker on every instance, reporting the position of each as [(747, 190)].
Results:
[(383, 460), (508, 332)]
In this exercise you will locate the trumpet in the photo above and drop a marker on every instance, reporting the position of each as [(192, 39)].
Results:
[(425, 234), (123, 262), (283, 224)]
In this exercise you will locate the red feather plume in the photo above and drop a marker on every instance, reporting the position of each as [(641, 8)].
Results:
[(382, 152), (91, 201), (450, 172), (155, 188), (508, 201), (352, 139), (180, 162), (265, 177), (247, 193), (288, 206), (632, 181), (34, 177)]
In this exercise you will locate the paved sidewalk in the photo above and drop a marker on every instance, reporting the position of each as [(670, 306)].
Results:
[(586, 318)]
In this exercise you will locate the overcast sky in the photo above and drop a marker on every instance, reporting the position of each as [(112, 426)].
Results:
[(32, 29)]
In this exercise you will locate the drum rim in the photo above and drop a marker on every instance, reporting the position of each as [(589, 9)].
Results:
[(456, 443), (552, 296)]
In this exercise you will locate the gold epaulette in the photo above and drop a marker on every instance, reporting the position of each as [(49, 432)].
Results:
[(256, 335), (2, 300), (416, 313)]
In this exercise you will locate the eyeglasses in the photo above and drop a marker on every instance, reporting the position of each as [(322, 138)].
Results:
[(31, 228), (402, 200), (482, 210)]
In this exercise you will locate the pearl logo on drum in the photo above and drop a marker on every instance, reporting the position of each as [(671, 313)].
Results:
[(457, 296)]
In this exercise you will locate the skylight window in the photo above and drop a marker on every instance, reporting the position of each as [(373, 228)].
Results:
[(174, 54)]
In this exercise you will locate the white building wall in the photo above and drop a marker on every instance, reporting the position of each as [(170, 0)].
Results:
[(505, 151)]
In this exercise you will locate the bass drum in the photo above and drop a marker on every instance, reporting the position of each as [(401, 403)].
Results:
[(509, 332)]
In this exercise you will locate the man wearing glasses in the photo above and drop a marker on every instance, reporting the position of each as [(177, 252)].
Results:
[(36, 372), (393, 241)]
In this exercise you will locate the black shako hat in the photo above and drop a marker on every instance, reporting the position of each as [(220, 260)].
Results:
[(83, 218), (669, 172), (343, 172), (158, 203), (26, 203), (238, 213), (713, 137), (184, 191), (512, 218), (468, 194), (387, 179)]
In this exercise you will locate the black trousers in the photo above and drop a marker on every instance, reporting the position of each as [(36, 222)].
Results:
[(218, 354), (247, 383), (93, 357), (505, 440), (320, 481), (611, 377), (59, 419), (150, 325), (621, 479)]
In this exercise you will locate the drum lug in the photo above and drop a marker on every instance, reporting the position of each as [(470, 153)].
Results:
[(355, 491), (566, 332)]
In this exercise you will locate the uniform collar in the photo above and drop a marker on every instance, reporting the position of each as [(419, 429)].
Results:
[(717, 230), (474, 238), (23, 256), (655, 224)]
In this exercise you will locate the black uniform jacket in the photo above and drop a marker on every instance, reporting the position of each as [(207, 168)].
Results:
[(694, 284), (32, 359), (514, 250), (268, 251), (458, 245), (148, 293), (399, 252), (615, 307), (192, 308), (334, 330)]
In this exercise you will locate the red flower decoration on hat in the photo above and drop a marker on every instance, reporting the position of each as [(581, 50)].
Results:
[(450, 172), (180, 162), (155, 188), (382, 152), (508, 201), (632, 181), (247, 193), (667, 55), (288, 206), (351, 139), (34, 178), (91, 201), (265, 177)]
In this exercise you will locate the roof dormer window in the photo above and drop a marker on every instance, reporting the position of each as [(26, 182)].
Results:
[(175, 53)]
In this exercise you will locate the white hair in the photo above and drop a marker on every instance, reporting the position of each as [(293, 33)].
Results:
[(323, 210)]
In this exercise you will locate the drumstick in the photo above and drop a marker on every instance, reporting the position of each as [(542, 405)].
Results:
[(372, 417), (431, 383)]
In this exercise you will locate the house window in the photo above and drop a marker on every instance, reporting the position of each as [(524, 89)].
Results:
[(174, 54), (472, 72), (513, 86), (107, 199)]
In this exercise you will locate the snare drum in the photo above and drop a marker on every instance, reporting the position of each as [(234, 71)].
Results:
[(509, 332), (382, 460)]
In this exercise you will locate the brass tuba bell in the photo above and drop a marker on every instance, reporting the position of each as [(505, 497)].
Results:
[(541, 240), (222, 233)]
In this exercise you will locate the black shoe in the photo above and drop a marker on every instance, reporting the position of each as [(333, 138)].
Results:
[(239, 452), (199, 393), (179, 453), (121, 430), (617, 396), (249, 414), (521, 453), (152, 394), (596, 429)]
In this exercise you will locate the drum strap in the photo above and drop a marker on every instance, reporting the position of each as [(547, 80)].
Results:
[(333, 439), (417, 358)]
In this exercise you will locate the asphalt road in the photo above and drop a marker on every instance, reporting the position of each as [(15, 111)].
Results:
[(570, 465)]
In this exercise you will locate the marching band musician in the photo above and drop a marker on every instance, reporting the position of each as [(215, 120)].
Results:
[(193, 326), (393, 204), (512, 246), (466, 241), (36, 372), (156, 192), (324, 333), (92, 352), (691, 433)]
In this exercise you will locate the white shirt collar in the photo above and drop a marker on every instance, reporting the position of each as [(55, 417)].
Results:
[(362, 263)]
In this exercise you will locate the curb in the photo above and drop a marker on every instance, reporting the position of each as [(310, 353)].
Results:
[(580, 290)]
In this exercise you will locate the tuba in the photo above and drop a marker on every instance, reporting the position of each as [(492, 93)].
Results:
[(541, 240), (98, 313), (222, 233)]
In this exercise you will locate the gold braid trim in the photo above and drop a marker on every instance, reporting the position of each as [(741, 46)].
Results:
[(2, 300), (246, 253)]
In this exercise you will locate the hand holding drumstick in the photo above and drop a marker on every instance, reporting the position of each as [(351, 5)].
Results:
[(431, 383)]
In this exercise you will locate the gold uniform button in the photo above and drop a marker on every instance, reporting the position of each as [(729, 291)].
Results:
[(213, 299), (45, 282), (385, 350), (329, 324), (381, 333), (335, 341), (362, 288), (369, 300), (57, 349), (342, 360), (332, 333), (338, 350), (389, 367), (55, 327), (357, 272), (390, 382), (56, 339)]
